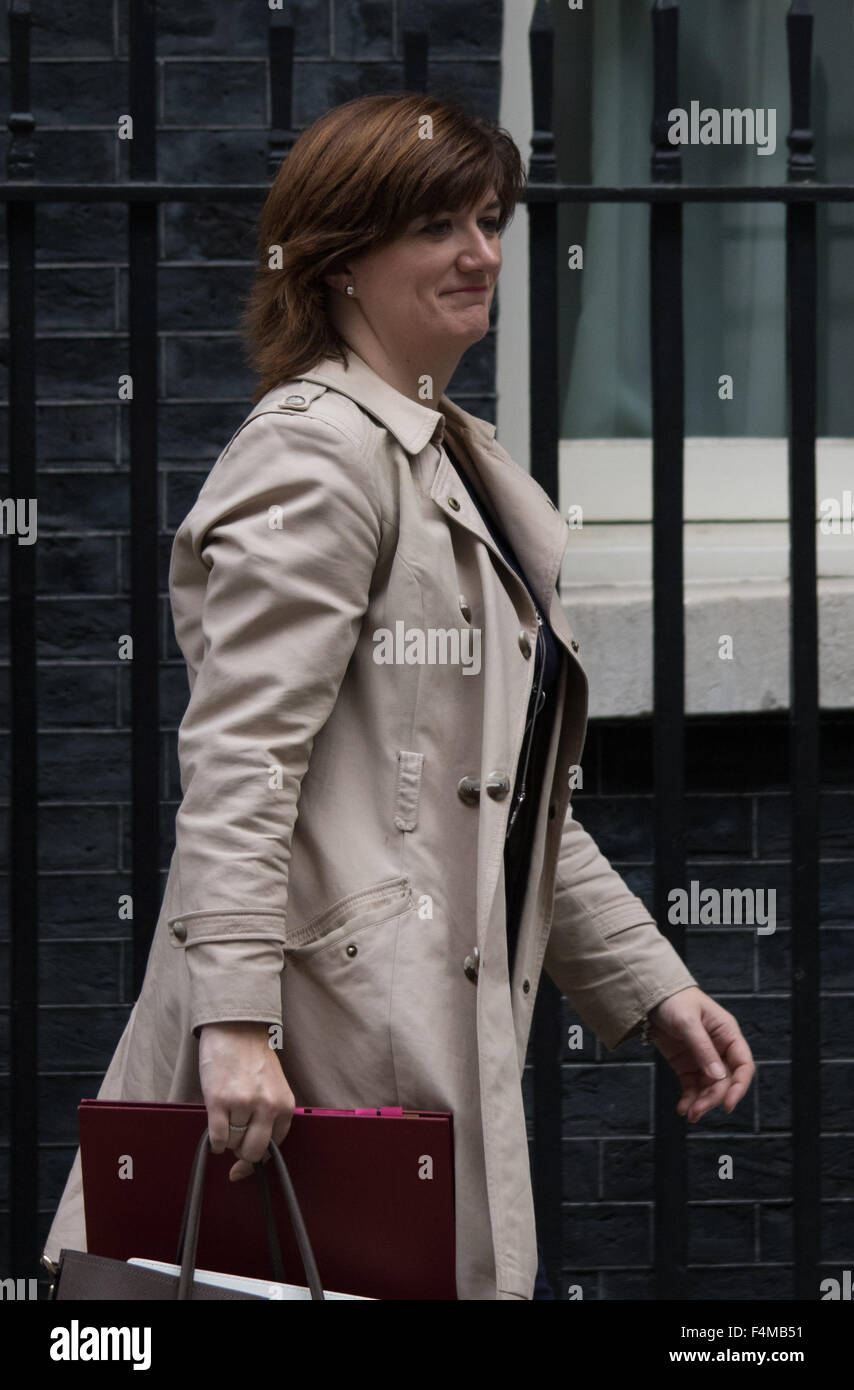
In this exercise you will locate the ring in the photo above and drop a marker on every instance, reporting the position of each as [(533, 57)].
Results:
[(240, 1128)]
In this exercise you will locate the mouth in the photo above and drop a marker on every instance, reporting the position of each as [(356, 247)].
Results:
[(469, 289)]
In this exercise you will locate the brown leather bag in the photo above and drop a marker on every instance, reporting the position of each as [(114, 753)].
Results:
[(80, 1275)]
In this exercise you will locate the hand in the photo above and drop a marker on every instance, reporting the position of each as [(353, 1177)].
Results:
[(243, 1084), (696, 1035)]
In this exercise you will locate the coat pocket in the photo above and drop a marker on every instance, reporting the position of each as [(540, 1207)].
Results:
[(408, 789), (352, 913)]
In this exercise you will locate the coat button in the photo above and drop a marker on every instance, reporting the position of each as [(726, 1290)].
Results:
[(453, 504), (525, 644), (292, 400), (471, 965), (464, 608), (574, 645), (526, 986), (179, 931), (468, 790), (352, 950), (497, 785)]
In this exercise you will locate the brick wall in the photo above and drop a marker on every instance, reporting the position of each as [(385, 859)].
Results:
[(737, 835)]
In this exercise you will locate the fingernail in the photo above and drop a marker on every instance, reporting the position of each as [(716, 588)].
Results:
[(717, 1069)]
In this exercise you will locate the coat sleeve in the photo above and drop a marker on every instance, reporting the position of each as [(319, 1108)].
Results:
[(269, 581), (605, 953)]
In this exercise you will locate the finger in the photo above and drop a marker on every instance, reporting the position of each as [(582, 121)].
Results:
[(254, 1142), (709, 1097), (282, 1126), (704, 1052), (218, 1127), (241, 1169)]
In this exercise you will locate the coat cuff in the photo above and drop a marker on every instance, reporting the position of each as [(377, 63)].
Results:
[(621, 976), (234, 981)]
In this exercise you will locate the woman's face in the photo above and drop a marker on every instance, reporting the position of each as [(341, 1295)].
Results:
[(432, 286)]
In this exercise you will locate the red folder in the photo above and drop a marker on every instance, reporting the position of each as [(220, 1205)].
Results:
[(376, 1190)]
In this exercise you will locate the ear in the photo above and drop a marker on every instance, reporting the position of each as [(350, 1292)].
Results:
[(339, 280)]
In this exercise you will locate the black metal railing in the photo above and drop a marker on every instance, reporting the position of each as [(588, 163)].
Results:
[(666, 196)]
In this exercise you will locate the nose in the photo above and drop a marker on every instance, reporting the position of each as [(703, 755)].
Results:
[(480, 252)]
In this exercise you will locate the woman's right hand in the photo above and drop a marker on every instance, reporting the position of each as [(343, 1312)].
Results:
[(243, 1084)]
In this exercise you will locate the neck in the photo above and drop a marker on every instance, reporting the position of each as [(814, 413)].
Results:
[(420, 372)]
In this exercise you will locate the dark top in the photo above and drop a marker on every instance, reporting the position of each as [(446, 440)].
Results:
[(548, 657)]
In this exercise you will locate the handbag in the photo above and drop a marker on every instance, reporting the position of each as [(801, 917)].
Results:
[(80, 1275)]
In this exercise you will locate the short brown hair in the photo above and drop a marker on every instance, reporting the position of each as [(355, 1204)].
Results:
[(353, 180)]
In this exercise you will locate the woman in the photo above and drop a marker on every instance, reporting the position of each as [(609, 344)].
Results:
[(375, 847)]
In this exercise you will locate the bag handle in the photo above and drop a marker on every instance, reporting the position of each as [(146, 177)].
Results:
[(189, 1238)]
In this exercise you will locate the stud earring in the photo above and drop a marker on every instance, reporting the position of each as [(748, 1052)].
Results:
[(351, 289)]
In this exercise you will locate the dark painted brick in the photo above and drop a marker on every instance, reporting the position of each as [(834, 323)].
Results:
[(837, 1232), (59, 1096), (837, 1165), (364, 30), (99, 762), (319, 86), (580, 1170), (84, 904), (76, 156), (54, 1166), (81, 627), (605, 1100), (472, 84), (207, 367), (196, 297), (775, 1231), (214, 93), (631, 1284), (722, 958), (88, 367), (773, 1086), (837, 750), (470, 27), (607, 1234), (79, 93), (836, 811), (79, 972), (719, 1233), (77, 695), (207, 26), (79, 502), (837, 957), (837, 1025), (211, 156), (82, 231), (81, 564), (836, 899), (628, 1172), (78, 838), (837, 1094), (67, 299), (182, 490), (476, 371), (82, 1038), (77, 436), (211, 231), (75, 29), (192, 436), (761, 1167), (745, 1285)]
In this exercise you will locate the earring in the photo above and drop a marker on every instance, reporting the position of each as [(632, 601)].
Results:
[(350, 289)]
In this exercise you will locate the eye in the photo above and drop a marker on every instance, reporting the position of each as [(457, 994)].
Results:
[(433, 227)]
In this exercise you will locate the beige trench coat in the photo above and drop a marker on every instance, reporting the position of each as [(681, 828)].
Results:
[(328, 797)]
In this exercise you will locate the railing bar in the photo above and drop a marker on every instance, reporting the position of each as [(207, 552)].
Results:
[(801, 296), (23, 675), (544, 435), (144, 560), (668, 429)]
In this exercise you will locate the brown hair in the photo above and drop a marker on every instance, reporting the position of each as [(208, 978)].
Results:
[(353, 180)]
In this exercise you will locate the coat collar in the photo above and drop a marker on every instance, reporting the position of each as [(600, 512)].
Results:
[(413, 425)]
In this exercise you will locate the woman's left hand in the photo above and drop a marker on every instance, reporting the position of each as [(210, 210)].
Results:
[(696, 1035)]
